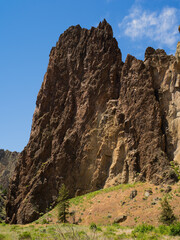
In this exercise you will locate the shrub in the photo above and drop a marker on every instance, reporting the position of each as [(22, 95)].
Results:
[(45, 221), (163, 229), (93, 226), (167, 216), (175, 165), (63, 204), (143, 228), (2, 236), (175, 229), (25, 235)]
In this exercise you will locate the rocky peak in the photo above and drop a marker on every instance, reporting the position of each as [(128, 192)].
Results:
[(106, 27), (98, 122)]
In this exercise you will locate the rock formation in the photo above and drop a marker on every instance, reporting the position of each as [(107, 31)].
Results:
[(98, 122), (7, 164)]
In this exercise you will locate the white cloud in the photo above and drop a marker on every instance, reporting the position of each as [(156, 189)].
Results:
[(157, 26)]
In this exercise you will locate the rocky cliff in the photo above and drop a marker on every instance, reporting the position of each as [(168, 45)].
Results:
[(7, 164), (98, 122)]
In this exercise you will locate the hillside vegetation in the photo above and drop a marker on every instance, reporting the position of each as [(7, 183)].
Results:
[(137, 207)]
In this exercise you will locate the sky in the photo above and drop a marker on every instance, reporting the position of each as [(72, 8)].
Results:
[(30, 28)]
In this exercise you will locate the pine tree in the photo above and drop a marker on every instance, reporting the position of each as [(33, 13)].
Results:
[(166, 216), (63, 204)]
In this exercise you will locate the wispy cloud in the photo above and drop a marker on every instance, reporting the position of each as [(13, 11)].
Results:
[(157, 26)]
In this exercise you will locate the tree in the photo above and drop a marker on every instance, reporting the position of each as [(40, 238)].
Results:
[(63, 204), (179, 28), (166, 216)]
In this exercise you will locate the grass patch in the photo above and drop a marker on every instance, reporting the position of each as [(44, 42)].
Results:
[(144, 228), (163, 229), (25, 235), (70, 231), (2, 236), (89, 196), (175, 229), (77, 200)]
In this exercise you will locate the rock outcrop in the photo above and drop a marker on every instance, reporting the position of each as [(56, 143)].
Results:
[(98, 122), (7, 164), (166, 75)]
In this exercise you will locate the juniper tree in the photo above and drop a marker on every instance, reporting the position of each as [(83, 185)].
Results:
[(166, 216), (63, 204)]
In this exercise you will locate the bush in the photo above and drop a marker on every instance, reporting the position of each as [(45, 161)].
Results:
[(167, 216), (175, 229), (144, 228), (25, 235), (93, 226), (163, 229), (2, 236), (45, 221)]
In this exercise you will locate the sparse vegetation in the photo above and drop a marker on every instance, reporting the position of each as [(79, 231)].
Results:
[(80, 199), (97, 230)]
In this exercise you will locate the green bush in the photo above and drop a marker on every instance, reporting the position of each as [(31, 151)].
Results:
[(25, 235), (144, 228), (45, 221), (175, 229), (163, 229), (175, 165), (2, 236), (93, 226)]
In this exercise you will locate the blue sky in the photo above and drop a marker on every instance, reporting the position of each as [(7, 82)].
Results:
[(29, 28)]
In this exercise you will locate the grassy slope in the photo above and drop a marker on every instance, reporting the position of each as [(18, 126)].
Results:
[(102, 207)]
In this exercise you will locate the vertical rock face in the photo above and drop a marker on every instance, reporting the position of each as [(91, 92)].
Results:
[(98, 122), (166, 75), (7, 164)]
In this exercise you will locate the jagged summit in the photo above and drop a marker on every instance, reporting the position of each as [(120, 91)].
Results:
[(98, 122), (106, 27)]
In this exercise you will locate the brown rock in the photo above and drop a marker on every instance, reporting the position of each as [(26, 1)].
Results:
[(7, 164), (97, 123), (133, 194), (120, 219)]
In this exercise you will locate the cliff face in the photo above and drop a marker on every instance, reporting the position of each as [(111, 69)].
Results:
[(166, 75), (7, 164), (98, 122)]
